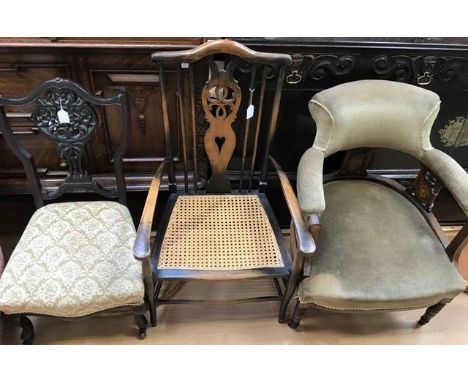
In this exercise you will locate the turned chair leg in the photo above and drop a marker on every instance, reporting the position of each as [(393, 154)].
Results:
[(142, 324), (288, 294), (431, 312), (298, 314), (27, 334)]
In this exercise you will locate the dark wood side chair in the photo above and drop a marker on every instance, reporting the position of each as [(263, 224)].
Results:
[(74, 258), (215, 228), (379, 247)]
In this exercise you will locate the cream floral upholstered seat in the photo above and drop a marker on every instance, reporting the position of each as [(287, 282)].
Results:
[(72, 260)]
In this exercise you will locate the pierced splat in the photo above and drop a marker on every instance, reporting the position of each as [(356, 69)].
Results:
[(68, 119), (221, 98)]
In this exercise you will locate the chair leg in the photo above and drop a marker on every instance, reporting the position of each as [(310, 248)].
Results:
[(142, 324), (152, 312), (430, 313), (149, 294), (148, 281), (1, 328), (27, 334), (298, 314), (288, 294), (155, 302)]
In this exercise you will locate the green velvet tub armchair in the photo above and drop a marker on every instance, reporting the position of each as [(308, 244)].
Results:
[(379, 247)]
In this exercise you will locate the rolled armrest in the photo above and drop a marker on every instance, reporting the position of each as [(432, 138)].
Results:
[(141, 249), (310, 182), (306, 243), (450, 173)]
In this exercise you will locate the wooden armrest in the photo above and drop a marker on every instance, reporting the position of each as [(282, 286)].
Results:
[(306, 243), (141, 249), (458, 243)]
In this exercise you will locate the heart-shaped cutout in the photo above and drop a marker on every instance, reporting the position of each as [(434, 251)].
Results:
[(220, 142)]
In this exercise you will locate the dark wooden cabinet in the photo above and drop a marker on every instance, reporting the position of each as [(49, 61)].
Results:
[(104, 65), (438, 64)]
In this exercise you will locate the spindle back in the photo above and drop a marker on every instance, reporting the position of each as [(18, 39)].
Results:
[(239, 103)]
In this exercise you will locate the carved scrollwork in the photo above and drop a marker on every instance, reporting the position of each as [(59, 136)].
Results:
[(71, 153), (70, 133), (446, 70), (82, 117), (422, 70), (319, 67), (426, 68), (221, 102), (398, 68), (335, 66), (270, 71), (221, 99)]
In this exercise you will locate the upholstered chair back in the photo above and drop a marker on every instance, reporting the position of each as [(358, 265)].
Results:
[(377, 114), (374, 113)]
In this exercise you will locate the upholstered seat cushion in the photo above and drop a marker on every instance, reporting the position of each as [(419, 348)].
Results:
[(375, 251), (73, 259)]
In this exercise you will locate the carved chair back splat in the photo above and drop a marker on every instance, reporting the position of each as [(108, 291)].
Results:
[(237, 123), (64, 112)]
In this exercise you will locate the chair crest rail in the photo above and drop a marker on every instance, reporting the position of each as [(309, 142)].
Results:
[(222, 46)]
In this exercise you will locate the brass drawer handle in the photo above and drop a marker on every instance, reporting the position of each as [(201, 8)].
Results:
[(425, 79), (293, 78)]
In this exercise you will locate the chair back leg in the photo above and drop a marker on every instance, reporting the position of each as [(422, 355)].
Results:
[(431, 312)]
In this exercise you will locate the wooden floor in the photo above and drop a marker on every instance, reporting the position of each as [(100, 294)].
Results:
[(253, 324)]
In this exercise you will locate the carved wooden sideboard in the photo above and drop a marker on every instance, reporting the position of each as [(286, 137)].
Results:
[(104, 65)]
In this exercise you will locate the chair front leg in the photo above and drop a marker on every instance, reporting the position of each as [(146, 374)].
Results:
[(1, 328), (299, 312), (297, 271), (142, 324), (27, 334), (293, 281), (149, 290), (431, 312)]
